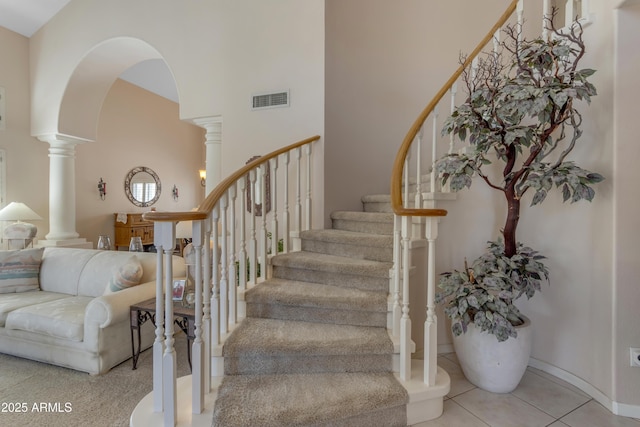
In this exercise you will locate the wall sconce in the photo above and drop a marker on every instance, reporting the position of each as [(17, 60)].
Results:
[(174, 192), (102, 189), (203, 177)]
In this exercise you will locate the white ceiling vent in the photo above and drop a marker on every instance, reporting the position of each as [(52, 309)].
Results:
[(270, 100)]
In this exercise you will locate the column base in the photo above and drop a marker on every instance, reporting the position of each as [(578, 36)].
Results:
[(66, 243)]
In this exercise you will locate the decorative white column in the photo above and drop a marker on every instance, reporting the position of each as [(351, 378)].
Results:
[(62, 191), (213, 144)]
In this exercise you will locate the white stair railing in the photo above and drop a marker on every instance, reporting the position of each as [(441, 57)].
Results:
[(220, 228)]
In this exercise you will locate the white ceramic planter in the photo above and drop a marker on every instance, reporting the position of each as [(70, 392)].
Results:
[(491, 365)]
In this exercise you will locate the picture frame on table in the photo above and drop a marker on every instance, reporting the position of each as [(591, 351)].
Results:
[(178, 289)]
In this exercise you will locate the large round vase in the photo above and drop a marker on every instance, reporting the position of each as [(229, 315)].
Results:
[(494, 366)]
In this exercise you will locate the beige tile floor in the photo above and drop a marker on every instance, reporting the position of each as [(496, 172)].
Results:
[(540, 400)]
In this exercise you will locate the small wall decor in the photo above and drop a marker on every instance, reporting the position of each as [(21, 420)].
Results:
[(102, 189), (174, 193)]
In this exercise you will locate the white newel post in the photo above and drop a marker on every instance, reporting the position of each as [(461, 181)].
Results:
[(213, 144), (164, 240), (62, 191), (158, 344)]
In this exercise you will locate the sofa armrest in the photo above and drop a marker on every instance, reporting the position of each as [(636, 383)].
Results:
[(114, 308)]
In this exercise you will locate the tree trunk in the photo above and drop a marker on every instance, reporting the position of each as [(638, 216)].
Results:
[(513, 216)]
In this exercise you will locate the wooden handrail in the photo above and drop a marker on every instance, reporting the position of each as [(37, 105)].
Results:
[(398, 165), (207, 205)]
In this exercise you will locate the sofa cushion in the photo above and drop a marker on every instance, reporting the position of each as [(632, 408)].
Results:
[(62, 318), (125, 276), (62, 267), (13, 301), (19, 270)]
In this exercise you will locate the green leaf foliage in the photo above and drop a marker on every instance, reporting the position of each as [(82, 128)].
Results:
[(485, 293)]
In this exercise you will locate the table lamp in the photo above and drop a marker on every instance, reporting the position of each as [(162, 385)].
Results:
[(20, 234)]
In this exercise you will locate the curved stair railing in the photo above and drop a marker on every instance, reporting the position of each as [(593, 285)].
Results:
[(231, 227), (414, 207)]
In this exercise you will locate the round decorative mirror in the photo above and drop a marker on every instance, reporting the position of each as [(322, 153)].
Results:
[(142, 186)]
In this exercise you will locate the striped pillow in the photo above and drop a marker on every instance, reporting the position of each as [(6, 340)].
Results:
[(126, 276), (20, 270)]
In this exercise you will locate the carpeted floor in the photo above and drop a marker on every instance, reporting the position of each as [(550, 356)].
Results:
[(52, 396)]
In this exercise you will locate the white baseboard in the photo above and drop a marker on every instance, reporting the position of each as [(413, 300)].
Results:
[(622, 409)]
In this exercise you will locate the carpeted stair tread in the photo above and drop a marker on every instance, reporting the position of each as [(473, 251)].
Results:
[(303, 294), (373, 220), (274, 337), (377, 203), (332, 263), (348, 237), (296, 400), (375, 247)]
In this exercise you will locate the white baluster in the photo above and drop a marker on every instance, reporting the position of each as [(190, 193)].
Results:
[(233, 288), (418, 196), (397, 271), (546, 15), (158, 344), (197, 352), (215, 295), (253, 247), (308, 199), (298, 209), (285, 213), (569, 13), (434, 158), (224, 284), (263, 229), (452, 137), (242, 262), (167, 240), (431, 322), (274, 206), (405, 322), (520, 17), (206, 297), (405, 175)]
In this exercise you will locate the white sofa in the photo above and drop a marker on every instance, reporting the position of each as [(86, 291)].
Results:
[(73, 319)]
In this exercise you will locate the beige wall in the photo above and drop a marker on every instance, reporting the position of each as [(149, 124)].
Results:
[(626, 217), (219, 52), (26, 157), (136, 128)]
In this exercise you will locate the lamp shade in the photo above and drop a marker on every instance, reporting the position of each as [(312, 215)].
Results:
[(16, 211)]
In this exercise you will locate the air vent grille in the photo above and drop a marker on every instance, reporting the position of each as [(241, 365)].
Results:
[(270, 100)]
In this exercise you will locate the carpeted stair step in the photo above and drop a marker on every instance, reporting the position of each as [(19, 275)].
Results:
[(363, 222), (377, 203), (375, 247), (301, 301), (273, 346), (319, 400), (332, 270)]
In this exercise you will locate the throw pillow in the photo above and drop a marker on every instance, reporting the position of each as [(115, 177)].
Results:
[(126, 276), (20, 270)]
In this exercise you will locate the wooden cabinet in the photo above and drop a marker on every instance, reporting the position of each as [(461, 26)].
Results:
[(134, 227)]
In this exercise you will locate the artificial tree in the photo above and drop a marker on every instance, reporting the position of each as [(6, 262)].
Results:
[(521, 115)]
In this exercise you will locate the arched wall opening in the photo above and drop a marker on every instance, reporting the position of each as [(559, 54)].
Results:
[(91, 80)]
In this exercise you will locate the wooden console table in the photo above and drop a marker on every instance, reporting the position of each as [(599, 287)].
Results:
[(184, 318), (135, 226)]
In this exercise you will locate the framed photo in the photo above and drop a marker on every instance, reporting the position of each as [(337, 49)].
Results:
[(178, 289)]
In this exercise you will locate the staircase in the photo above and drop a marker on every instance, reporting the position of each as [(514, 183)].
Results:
[(314, 348)]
